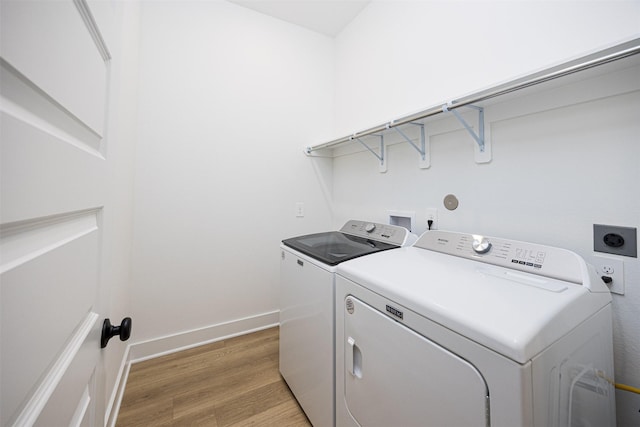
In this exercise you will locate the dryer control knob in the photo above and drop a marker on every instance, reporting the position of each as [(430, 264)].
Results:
[(480, 245), (369, 227)]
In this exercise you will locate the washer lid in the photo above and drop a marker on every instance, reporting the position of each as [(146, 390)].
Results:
[(355, 239), (334, 247), (515, 313)]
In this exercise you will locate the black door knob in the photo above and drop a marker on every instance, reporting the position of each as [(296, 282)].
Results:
[(108, 331)]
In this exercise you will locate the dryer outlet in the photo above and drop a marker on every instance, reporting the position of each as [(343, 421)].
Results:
[(613, 268)]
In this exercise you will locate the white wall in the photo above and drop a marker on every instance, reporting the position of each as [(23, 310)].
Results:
[(398, 57), (228, 99), (557, 168)]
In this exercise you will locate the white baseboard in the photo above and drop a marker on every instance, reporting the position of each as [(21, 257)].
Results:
[(184, 340), (149, 349), (113, 406)]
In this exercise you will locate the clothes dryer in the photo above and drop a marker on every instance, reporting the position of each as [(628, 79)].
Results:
[(466, 330)]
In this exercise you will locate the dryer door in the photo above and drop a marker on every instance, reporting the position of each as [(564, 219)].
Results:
[(395, 377)]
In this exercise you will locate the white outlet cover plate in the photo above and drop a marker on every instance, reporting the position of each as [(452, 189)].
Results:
[(602, 263)]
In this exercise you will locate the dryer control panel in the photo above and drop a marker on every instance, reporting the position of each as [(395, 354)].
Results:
[(530, 257)]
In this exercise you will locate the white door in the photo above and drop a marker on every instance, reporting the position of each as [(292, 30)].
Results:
[(395, 377), (54, 85)]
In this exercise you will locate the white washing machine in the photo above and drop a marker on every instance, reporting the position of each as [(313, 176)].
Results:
[(307, 298), (466, 330)]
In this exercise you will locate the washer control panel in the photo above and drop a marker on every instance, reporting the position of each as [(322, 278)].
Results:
[(530, 257), (392, 234)]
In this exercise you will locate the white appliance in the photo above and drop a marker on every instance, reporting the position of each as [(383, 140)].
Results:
[(466, 330), (307, 297)]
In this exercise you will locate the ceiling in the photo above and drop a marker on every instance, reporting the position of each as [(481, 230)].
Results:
[(327, 17)]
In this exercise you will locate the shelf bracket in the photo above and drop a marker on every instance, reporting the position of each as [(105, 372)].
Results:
[(422, 149), (381, 157), (483, 148), (478, 137)]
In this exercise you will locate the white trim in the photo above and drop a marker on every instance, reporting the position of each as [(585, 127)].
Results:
[(31, 105), (81, 410), (92, 27), (113, 407), (23, 241), (45, 389), (185, 340), (161, 346), (34, 121)]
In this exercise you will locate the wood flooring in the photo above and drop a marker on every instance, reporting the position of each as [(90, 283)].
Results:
[(233, 382)]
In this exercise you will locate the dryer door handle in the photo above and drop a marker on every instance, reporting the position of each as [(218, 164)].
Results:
[(354, 358)]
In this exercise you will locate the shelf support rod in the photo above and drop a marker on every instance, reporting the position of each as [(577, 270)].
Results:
[(479, 137), (420, 149)]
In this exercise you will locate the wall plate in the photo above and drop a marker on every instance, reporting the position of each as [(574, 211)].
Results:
[(612, 239), (607, 266)]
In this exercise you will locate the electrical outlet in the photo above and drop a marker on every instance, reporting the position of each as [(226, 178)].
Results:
[(299, 209), (612, 239), (432, 215), (612, 268)]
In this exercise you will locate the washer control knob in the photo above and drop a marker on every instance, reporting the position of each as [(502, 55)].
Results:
[(369, 227), (480, 245)]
